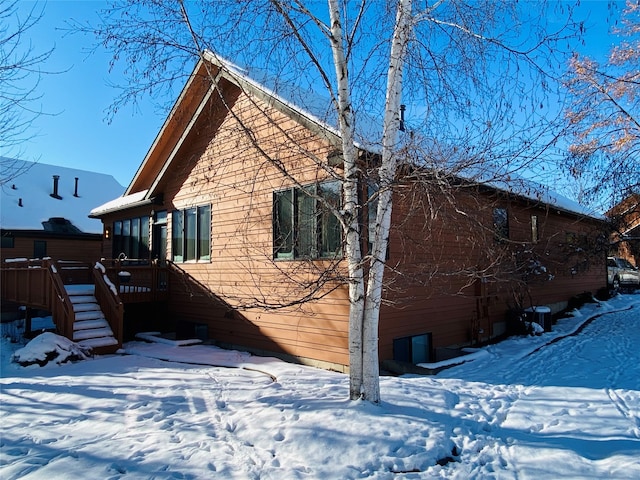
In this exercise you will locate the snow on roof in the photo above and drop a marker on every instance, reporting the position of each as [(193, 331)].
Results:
[(119, 203), (368, 132), (307, 103), (541, 193), (32, 186)]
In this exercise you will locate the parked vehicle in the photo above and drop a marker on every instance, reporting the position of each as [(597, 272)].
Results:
[(620, 272)]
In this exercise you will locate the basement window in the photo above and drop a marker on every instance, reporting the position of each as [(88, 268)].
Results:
[(413, 349)]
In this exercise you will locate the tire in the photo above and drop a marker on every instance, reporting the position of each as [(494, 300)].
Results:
[(616, 283)]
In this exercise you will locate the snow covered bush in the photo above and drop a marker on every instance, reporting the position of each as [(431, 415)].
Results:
[(49, 347)]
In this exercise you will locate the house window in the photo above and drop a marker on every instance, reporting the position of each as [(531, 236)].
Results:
[(414, 349), (535, 235), (7, 242), (131, 237), (500, 224), (39, 248), (303, 224), (191, 234)]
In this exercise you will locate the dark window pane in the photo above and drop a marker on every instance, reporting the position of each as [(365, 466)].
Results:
[(177, 237), (135, 238), (283, 224), (204, 233), (144, 237), (39, 248), (500, 223), (7, 242), (190, 233), (330, 230), (307, 240), (117, 238), (126, 237)]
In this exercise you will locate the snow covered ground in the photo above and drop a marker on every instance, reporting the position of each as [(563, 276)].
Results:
[(554, 406)]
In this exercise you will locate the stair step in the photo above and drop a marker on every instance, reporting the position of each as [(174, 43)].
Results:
[(89, 324), (73, 290), (83, 299), (90, 315), (85, 307), (92, 333), (98, 342)]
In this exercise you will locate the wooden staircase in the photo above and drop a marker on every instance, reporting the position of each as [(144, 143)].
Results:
[(84, 304), (90, 328)]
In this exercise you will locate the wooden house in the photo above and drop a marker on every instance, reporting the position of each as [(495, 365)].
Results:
[(45, 211), (625, 239), (232, 197), (49, 245)]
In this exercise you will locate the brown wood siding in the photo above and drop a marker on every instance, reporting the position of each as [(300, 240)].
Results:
[(435, 246), (172, 130), (219, 165), (236, 293)]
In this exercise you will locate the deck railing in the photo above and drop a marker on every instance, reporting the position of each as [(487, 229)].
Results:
[(41, 284), (26, 282), (61, 307), (38, 284), (109, 301), (138, 280)]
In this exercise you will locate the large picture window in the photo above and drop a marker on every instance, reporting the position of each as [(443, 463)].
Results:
[(131, 238), (191, 234), (303, 224)]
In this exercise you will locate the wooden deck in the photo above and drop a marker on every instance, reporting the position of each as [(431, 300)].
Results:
[(44, 284), (138, 281)]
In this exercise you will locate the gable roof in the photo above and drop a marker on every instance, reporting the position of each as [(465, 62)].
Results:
[(317, 115), (27, 204), (202, 87)]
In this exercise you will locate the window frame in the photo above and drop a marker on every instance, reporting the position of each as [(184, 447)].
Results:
[(306, 236), (500, 224), (8, 241), (131, 237), (39, 248), (191, 234)]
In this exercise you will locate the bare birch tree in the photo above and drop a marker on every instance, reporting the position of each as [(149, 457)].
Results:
[(479, 71)]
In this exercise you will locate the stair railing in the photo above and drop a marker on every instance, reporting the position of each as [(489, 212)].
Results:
[(59, 302), (107, 296)]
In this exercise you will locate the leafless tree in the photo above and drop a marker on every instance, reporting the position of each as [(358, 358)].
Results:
[(472, 78), (20, 74), (605, 117)]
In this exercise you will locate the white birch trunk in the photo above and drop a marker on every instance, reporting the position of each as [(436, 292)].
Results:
[(387, 173), (364, 312), (350, 196)]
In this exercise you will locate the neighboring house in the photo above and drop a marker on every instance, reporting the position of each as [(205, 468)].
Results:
[(625, 240), (44, 211), (247, 244)]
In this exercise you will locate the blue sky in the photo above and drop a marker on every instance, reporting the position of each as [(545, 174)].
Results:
[(75, 132)]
